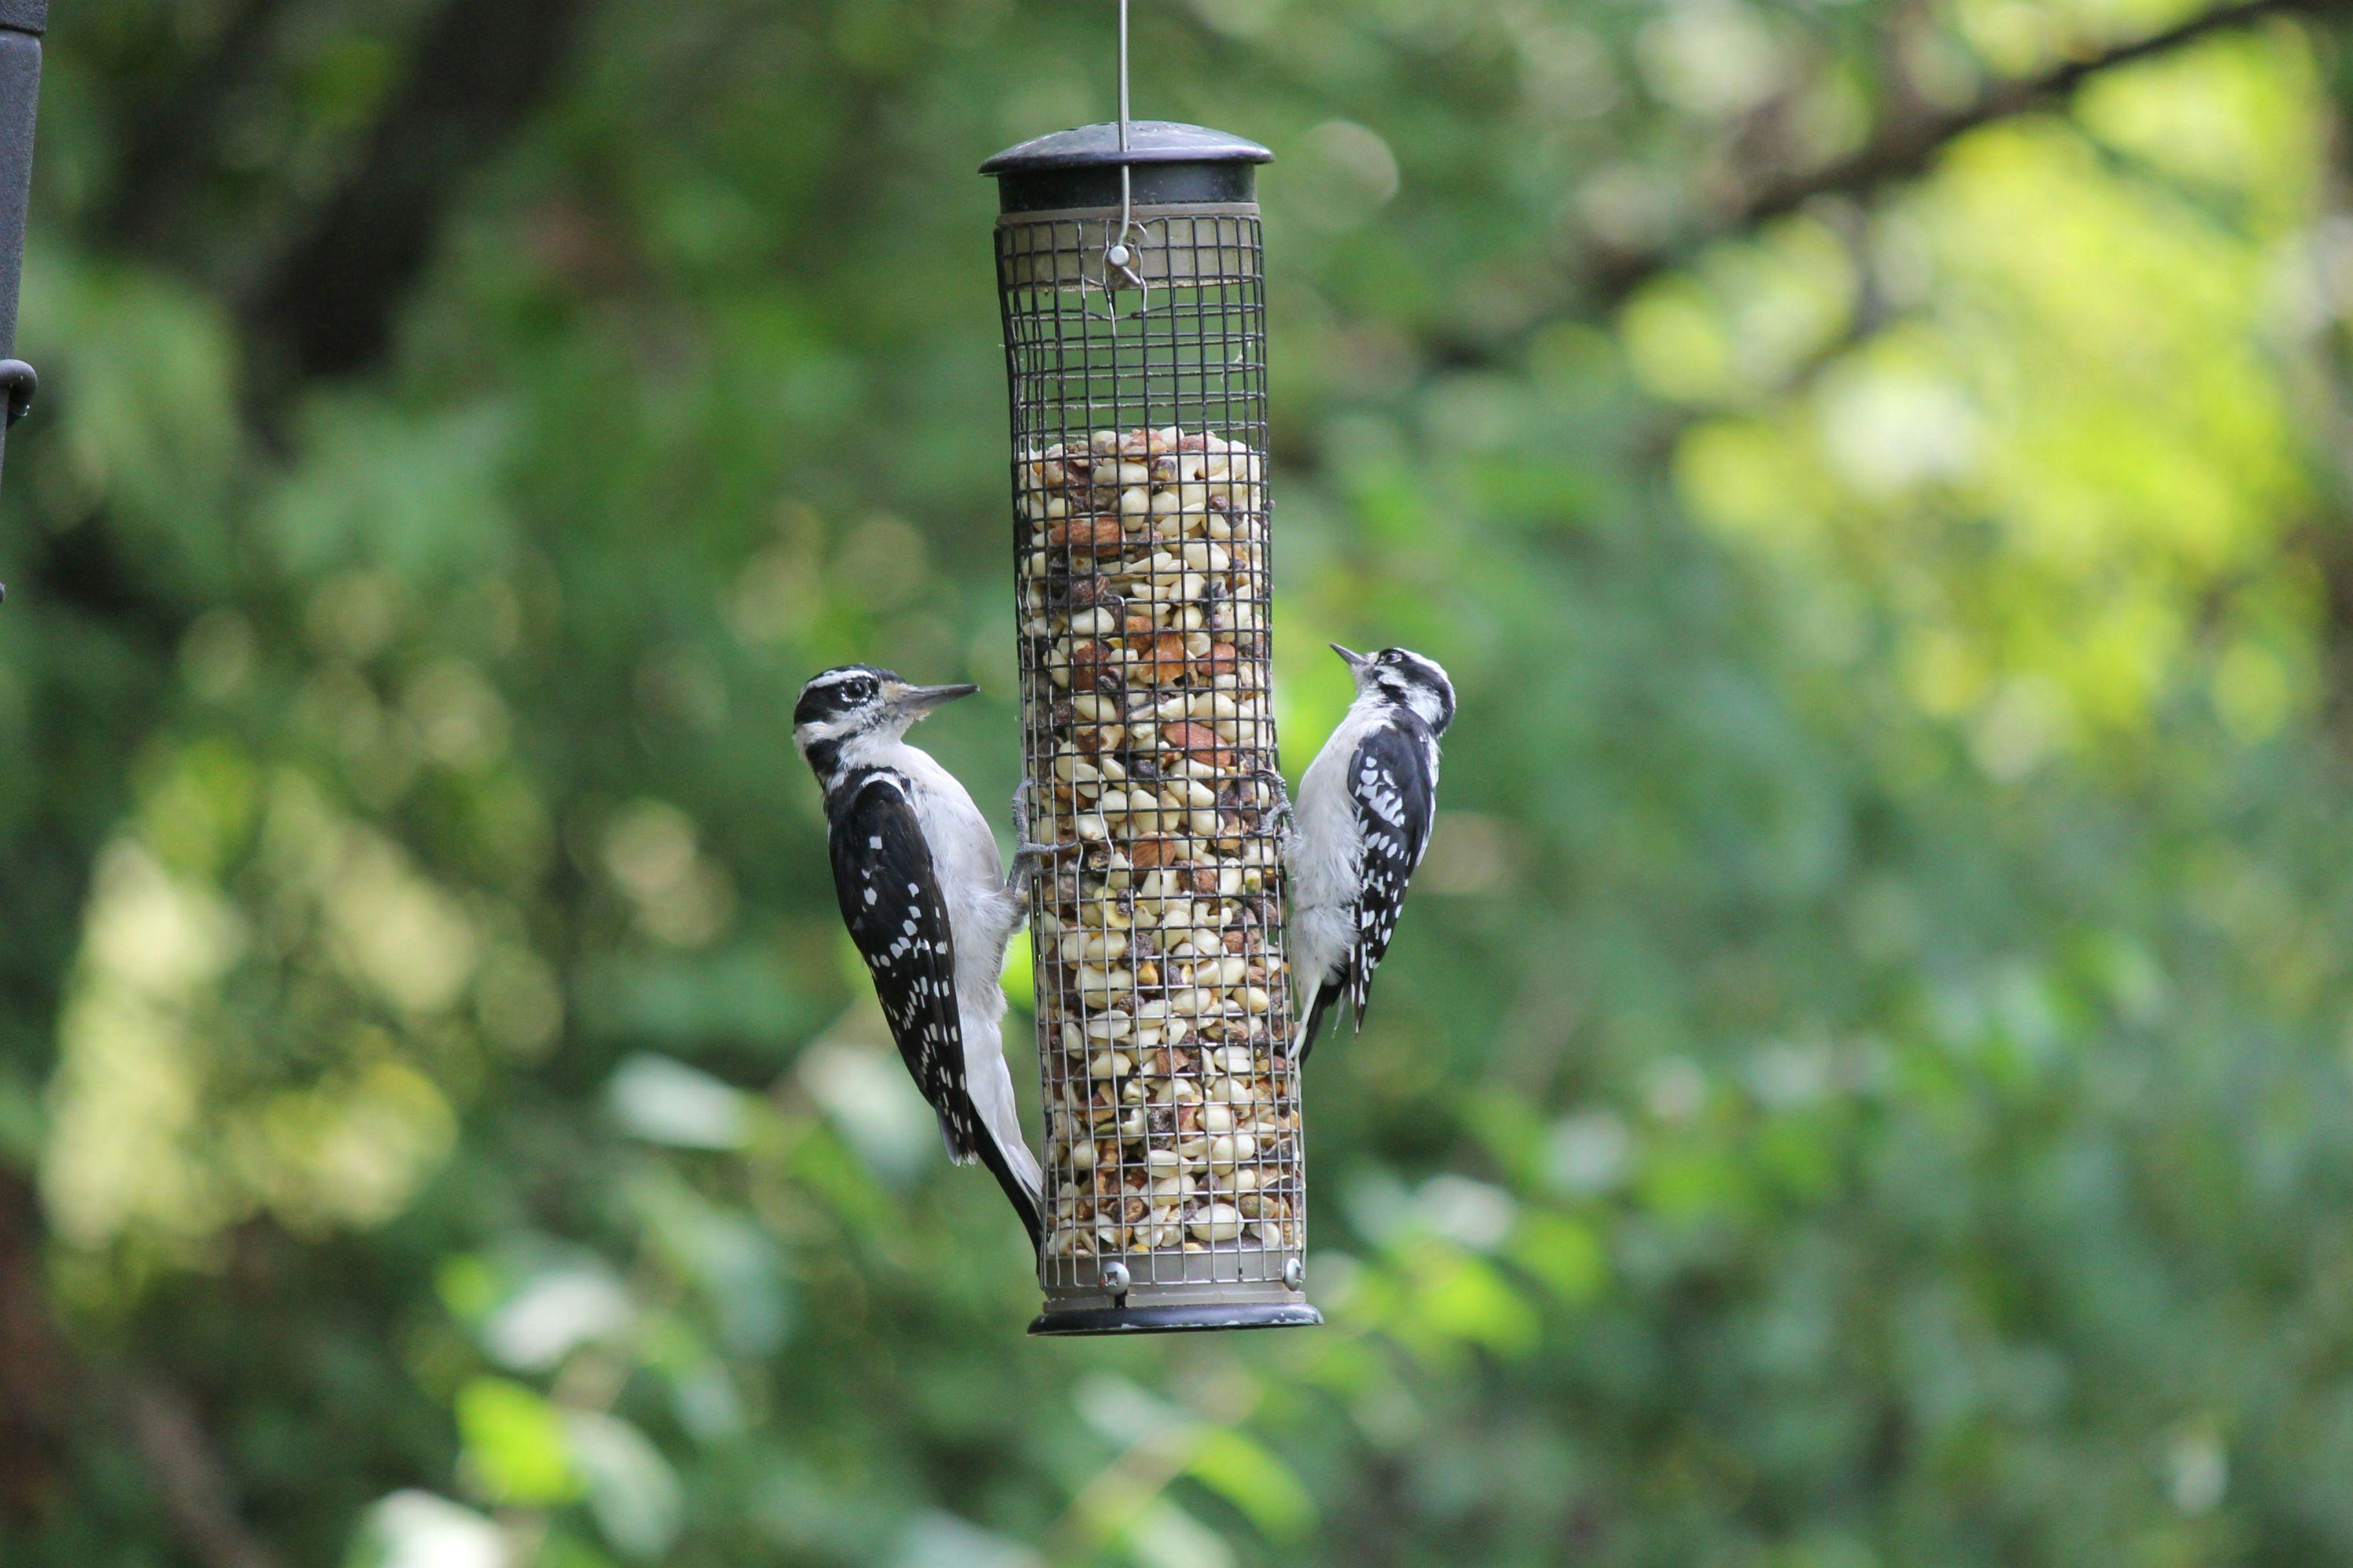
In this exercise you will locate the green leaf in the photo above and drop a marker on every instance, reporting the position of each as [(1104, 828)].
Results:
[(418, 1529), (666, 1101), (554, 1313), (632, 1490), (1565, 1253), (1465, 1297), (515, 1451), (1246, 1473)]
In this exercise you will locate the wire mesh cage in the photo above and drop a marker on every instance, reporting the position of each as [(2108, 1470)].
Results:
[(1135, 316)]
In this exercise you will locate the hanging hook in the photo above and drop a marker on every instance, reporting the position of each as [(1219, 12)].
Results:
[(1117, 256)]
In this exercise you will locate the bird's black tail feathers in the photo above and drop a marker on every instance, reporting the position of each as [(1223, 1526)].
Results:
[(1017, 1191), (970, 1142)]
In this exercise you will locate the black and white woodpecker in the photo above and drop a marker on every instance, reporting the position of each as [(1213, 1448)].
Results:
[(916, 869), (1366, 809)]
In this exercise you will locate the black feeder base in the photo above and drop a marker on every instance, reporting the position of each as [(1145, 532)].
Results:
[(1193, 1319)]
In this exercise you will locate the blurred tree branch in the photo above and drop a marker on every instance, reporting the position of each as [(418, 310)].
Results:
[(168, 140), (1901, 149), (477, 73), (328, 304), (41, 1381), (33, 1373), (1911, 143), (191, 1481)]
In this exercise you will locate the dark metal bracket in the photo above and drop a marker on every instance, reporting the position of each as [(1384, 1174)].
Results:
[(22, 23), (20, 382)]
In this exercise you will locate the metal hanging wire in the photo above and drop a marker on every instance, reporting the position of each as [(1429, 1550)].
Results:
[(1117, 257)]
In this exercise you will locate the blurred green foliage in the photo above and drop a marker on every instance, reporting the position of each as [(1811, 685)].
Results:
[(1865, 1077)]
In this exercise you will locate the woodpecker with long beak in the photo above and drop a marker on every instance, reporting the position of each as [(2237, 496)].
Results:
[(1366, 810), (916, 869)]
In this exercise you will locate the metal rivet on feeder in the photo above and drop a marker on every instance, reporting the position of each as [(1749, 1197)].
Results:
[(1130, 272)]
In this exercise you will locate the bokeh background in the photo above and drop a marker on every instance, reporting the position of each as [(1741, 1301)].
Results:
[(1864, 1077)]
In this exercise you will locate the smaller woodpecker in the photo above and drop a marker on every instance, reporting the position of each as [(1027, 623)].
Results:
[(1366, 809), (915, 869)]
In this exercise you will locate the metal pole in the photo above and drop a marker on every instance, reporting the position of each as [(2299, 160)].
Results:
[(22, 23)]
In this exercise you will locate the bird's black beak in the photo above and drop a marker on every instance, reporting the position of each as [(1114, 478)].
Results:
[(916, 701), (1356, 661)]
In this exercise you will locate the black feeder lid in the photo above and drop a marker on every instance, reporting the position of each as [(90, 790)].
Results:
[(1175, 165)]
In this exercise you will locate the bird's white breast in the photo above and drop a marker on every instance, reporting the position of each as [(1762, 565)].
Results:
[(1330, 842)]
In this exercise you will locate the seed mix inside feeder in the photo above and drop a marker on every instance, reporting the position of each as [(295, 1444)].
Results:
[(1131, 277)]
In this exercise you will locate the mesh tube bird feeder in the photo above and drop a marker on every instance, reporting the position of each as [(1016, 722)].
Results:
[(1133, 288)]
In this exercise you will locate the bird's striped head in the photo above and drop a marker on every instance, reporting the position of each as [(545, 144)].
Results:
[(1402, 677), (856, 705)]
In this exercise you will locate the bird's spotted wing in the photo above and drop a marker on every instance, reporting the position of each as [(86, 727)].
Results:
[(1393, 780), (891, 900)]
